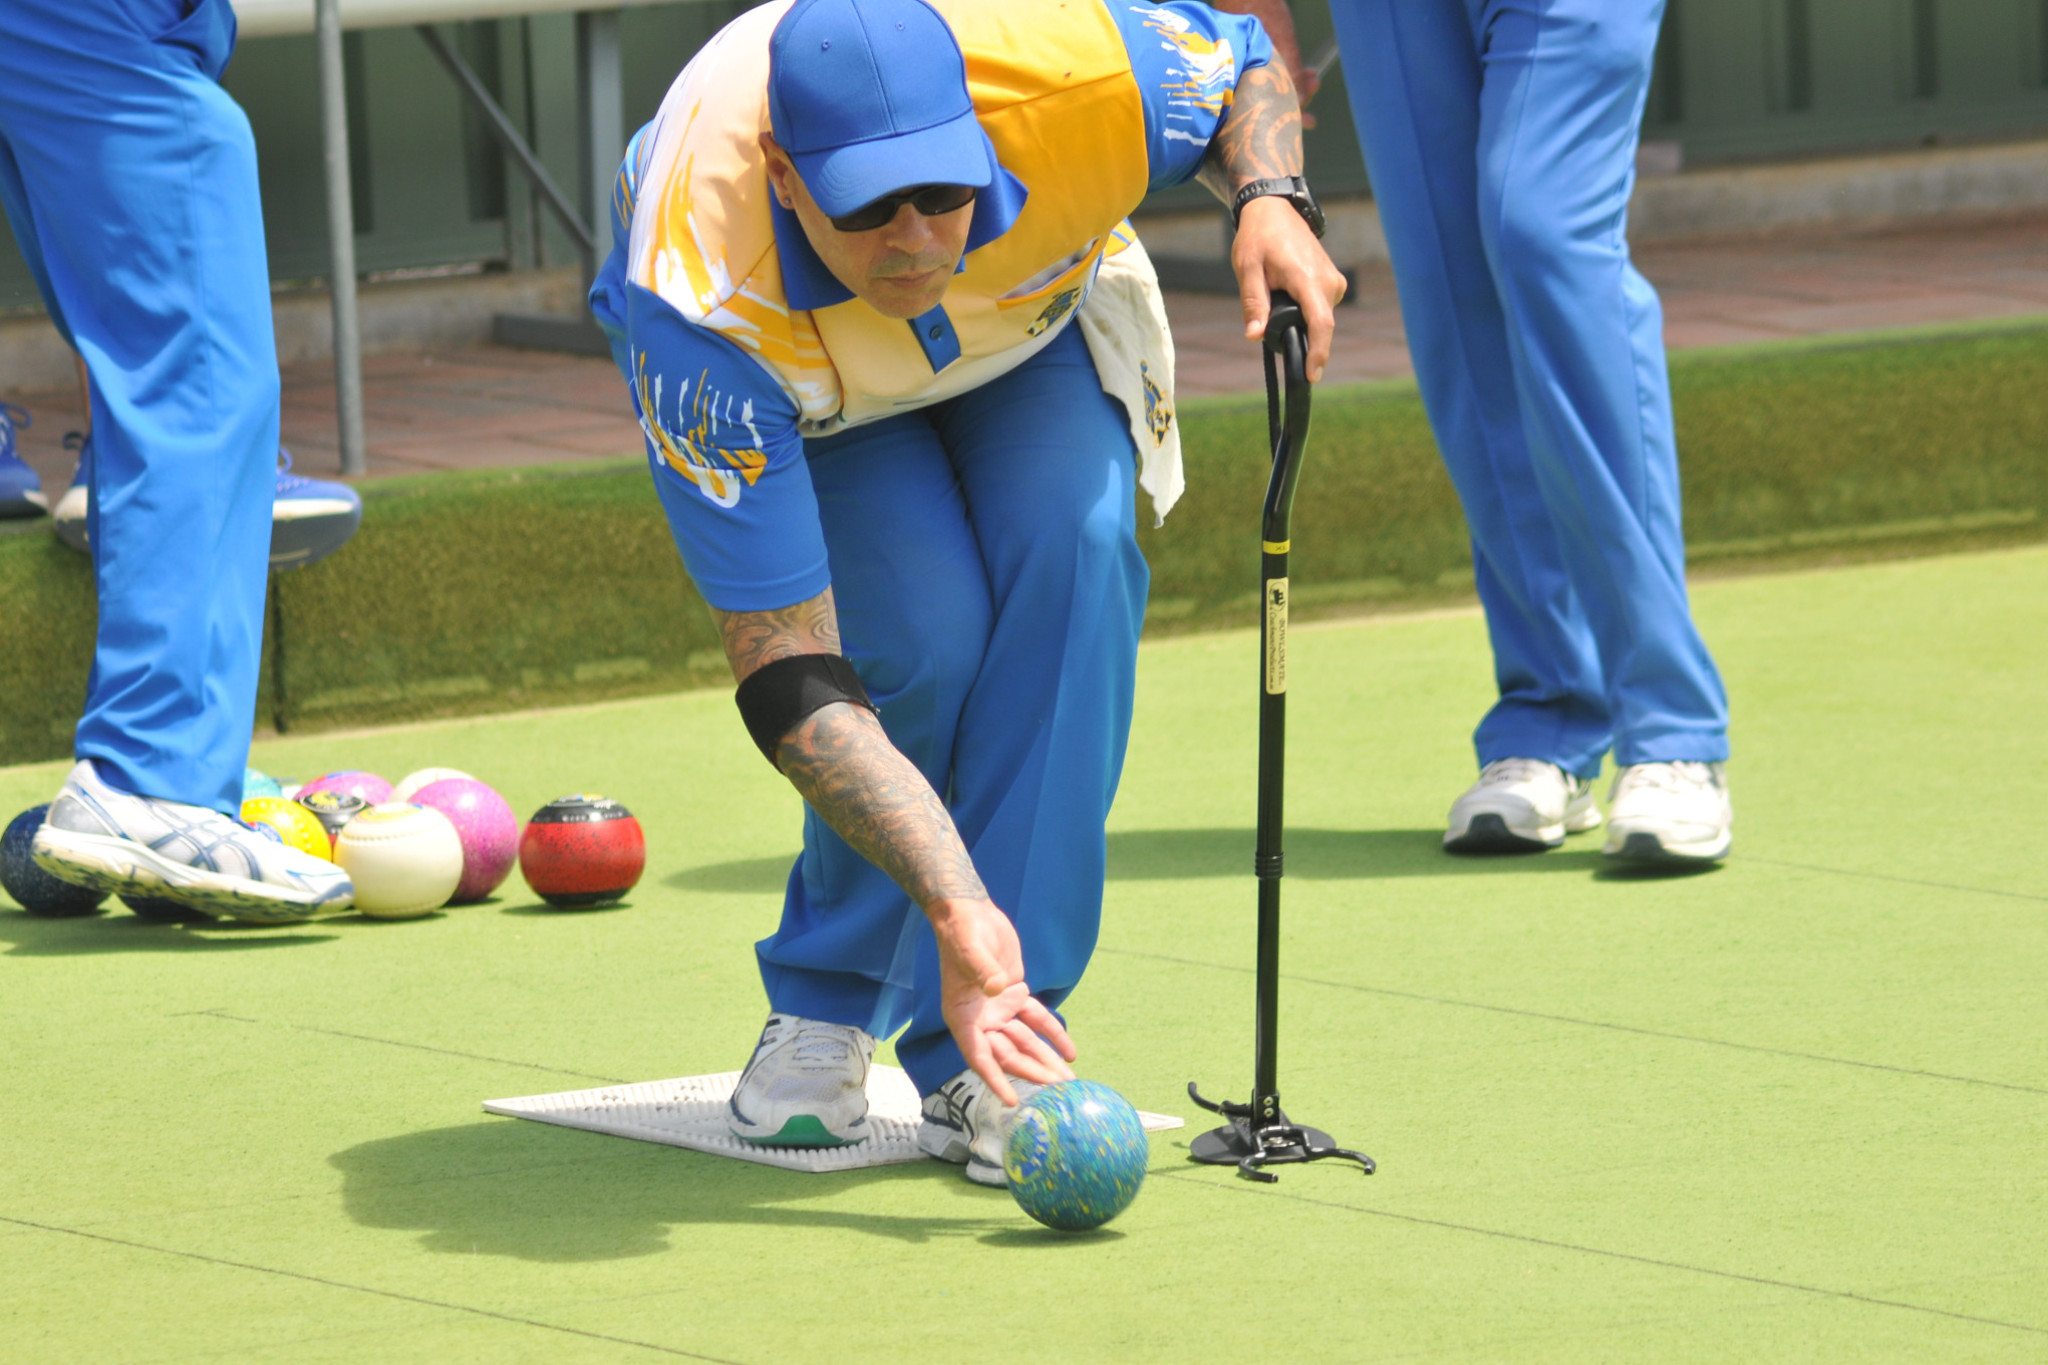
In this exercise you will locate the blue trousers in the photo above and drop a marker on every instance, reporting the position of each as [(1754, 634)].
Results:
[(1501, 136), (990, 593), (129, 179)]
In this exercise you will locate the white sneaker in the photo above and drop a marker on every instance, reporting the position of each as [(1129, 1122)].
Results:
[(139, 846), (807, 1086), (967, 1124), (1670, 812), (1520, 805)]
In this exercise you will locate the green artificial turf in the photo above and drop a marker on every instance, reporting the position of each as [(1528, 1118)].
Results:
[(1788, 1110)]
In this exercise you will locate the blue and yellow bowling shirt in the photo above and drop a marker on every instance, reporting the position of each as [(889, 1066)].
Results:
[(736, 341)]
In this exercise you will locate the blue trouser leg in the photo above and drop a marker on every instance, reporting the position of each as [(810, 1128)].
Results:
[(991, 592), (1501, 138), (129, 178)]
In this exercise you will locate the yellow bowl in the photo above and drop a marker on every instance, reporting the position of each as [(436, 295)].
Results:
[(296, 825)]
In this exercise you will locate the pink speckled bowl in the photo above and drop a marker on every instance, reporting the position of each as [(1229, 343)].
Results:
[(489, 830), (373, 790)]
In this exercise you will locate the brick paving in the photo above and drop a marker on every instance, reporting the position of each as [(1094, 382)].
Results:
[(486, 406), (489, 406), (1715, 294)]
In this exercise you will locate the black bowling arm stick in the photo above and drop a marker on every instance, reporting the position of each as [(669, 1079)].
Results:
[(1259, 1134)]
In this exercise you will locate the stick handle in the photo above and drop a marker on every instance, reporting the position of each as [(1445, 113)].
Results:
[(1286, 356)]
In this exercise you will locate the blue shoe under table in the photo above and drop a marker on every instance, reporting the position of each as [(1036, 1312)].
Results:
[(21, 491), (310, 519)]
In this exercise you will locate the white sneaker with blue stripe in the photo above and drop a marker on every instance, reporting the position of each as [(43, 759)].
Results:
[(109, 840), (1670, 813), (1520, 805), (967, 1124), (807, 1085), (21, 489), (309, 518)]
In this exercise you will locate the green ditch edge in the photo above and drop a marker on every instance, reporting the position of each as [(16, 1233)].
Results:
[(477, 592)]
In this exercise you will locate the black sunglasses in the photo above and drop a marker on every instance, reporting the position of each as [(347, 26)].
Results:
[(929, 200)]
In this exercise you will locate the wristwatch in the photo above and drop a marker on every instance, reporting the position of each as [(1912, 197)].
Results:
[(1293, 189)]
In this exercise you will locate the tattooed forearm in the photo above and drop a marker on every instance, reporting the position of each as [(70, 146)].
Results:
[(754, 638), (844, 765), (1260, 138), (876, 800)]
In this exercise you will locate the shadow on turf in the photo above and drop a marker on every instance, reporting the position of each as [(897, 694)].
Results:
[(119, 932), (1174, 854), (1654, 872), (1314, 854), (543, 909), (747, 876), (1318, 855), (508, 1187)]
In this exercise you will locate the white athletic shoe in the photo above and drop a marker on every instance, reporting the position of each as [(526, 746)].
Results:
[(1520, 805), (139, 846), (967, 1124), (807, 1086), (1670, 812)]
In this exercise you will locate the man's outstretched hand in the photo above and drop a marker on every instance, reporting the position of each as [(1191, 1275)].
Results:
[(1001, 1029)]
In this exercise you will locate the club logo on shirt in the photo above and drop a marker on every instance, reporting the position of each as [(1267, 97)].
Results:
[(1061, 305)]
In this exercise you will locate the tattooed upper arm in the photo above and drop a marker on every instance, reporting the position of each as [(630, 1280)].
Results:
[(1261, 137), (755, 638)]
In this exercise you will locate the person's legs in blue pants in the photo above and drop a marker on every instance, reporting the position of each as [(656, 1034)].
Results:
[(1500, 138), (1046, 462), (1560, 115), (990, 592), (1414, 75), (129, 177)]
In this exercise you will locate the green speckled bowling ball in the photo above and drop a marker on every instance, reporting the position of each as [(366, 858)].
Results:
[(1075, 1156)]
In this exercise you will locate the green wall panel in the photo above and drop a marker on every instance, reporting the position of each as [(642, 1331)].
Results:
[(414, 165), (1780, 78)]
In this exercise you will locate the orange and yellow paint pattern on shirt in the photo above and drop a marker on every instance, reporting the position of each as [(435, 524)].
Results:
[(1210, 82), (701, 234), (718, 469)]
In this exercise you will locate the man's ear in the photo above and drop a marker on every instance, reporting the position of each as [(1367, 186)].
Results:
[(781, 172)]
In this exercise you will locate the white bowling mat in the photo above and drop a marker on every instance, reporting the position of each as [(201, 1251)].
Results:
[(690, 1112)]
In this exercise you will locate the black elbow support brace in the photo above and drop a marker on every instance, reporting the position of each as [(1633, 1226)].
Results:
[(776, 697)]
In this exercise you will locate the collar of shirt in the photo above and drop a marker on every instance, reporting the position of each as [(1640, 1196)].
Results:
[(807, 284)]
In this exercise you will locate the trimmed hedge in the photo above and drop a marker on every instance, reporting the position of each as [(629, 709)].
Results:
[(502, 589), (1780, 448), (46, 635)]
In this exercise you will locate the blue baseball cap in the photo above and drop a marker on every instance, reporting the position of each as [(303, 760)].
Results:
[(869, 97)]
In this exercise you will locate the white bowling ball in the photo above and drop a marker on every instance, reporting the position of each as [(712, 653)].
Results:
[(405, 860)]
